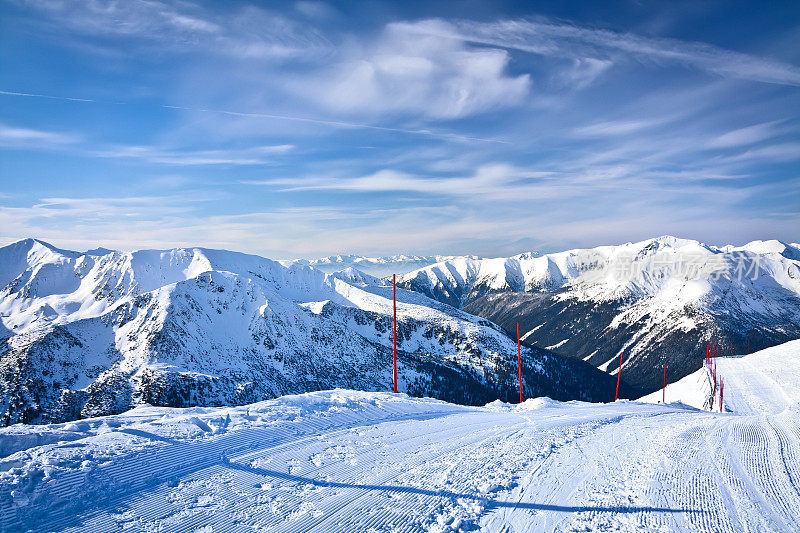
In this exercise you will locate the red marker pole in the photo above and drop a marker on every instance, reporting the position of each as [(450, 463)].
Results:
[(721, 392), (619, 372), (394, 330), (519, 365), (713, 384), (664, 387)]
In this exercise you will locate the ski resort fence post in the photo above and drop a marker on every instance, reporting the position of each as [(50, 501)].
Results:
[(519, 365), (394, 331), (664, 386), (619, 372)]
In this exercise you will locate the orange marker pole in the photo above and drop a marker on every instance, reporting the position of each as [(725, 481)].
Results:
[(619, 372)]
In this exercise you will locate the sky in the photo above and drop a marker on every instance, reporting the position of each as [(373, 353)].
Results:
[(308, 129)]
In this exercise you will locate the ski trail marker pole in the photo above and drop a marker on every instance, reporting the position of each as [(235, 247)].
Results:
[(713, 384), (519, 365), (664, 388), (394, 331), (616, 394), (721, 392)]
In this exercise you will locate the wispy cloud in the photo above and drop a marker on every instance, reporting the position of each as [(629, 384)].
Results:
[(36, 139), (423, 132), (345, 124), (32, 95), (181, 26), (405, 71), (488, 181), (775, 153), (249, 156), (617, 127), (506, 185), (572, 41), (168, 221), (26, 137), (333, 130), (747, 135)]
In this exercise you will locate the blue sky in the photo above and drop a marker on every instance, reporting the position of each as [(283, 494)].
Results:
[(307, 129)]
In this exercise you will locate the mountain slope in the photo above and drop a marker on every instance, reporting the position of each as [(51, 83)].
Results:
[(764, 382), (96, 333), (375, 266), (659, 300)]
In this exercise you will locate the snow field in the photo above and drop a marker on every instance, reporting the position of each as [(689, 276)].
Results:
[(356, 461)]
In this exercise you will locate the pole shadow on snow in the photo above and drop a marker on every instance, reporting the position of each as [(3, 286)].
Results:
[(490, 504)]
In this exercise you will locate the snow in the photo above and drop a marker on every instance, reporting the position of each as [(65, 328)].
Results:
[(342, 460), (91, 334), (375, 266), (653, 267), (658, 289), (767, 381)]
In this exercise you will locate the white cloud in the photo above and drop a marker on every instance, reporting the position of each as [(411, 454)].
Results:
[(488, 181), (16, 137), (583, 72), (315, 10), (409, 72), (247, 32), (504, 186), (248, 156), (177, 220), (614, 128), (746, 135), (775, 153), (569, 41)]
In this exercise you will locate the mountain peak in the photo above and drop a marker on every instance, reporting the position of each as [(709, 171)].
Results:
[(31, 243), (16, 257), (355, 276), (99, 251)]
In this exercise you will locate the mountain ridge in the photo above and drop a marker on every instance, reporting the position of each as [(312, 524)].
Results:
[(660, 299), (85, 335)]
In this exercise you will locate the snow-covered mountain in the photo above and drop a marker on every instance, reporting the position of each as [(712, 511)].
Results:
[(659, 300), (94, 333), (375, 266)]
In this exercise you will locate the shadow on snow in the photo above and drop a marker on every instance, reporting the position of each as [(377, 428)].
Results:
[(490, 504)]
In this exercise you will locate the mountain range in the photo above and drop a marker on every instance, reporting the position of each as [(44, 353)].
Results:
[(376, 266), (92, 333), (651, 303)]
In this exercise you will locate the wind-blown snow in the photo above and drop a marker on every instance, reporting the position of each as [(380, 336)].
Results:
[(353, 461)]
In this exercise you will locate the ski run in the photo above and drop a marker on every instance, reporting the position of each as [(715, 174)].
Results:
[(343, 460)]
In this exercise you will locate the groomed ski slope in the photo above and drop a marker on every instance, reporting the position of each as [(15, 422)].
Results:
[(353, 461)]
